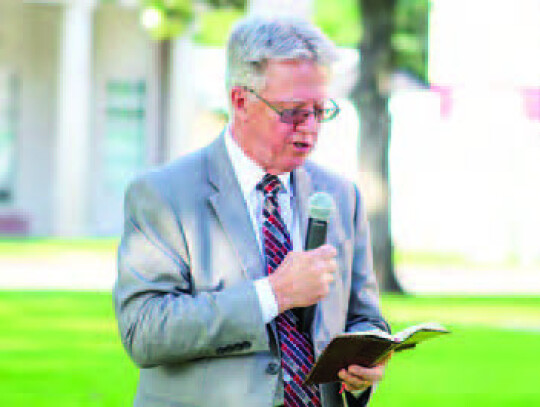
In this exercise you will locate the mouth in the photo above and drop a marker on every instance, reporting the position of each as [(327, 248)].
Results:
[(302, 146)]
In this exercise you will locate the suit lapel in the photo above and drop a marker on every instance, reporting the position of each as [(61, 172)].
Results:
[(231, 210), (302, 190)]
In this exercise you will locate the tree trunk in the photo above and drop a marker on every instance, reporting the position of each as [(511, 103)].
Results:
[(371, 98)]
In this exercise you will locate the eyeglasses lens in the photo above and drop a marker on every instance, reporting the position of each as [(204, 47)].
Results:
[(298, 116)]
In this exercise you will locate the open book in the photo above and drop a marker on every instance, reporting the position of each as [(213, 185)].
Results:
[(367, 349)]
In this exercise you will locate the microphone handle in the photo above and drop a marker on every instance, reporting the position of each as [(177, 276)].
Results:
[(315, 237), (316, 233)]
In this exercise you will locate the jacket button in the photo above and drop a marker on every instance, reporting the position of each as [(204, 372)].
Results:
[(237, 347), (272, 368)]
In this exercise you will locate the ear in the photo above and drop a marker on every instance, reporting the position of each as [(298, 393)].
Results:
[(238, 102)]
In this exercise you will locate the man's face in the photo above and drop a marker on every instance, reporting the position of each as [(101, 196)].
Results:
[(276, 146)]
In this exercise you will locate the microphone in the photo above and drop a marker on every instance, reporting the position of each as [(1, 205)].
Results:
[(320, 208)]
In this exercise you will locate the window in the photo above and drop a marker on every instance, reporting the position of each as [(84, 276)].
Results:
[(125, 139)]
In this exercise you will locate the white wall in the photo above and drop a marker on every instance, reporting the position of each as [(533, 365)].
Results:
[(123, 51), (29, 49)]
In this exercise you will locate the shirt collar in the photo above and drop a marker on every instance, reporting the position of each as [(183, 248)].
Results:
[(248, 172)]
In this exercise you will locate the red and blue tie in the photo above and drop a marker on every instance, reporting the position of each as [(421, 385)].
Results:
[(296, 347)]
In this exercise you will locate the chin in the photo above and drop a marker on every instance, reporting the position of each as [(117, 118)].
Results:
[(295, 164)]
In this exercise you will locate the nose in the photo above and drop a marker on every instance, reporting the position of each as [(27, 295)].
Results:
[(310, 124)]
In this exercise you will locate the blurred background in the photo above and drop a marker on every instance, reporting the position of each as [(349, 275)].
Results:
[(439, 126)]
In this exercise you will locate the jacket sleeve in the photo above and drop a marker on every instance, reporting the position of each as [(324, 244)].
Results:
[(161, 320), (364, 310)]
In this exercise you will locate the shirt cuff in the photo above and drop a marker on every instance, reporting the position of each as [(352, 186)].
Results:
[(267, 299)]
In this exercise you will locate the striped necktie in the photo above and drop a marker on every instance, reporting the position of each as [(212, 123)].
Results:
[(296, 347)]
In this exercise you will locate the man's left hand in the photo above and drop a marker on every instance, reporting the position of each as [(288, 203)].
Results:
[(357, 378)]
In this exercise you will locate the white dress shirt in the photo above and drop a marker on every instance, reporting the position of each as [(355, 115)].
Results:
[(249, 174)]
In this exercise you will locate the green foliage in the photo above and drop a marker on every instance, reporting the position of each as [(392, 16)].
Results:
[(410, 37), (62, 349), (169, 18), (340, 20), (236, 4), (214, 26)]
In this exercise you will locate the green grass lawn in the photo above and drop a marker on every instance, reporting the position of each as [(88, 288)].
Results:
[(61, 349), (491, 359)]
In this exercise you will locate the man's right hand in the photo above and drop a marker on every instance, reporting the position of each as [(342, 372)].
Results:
[(303, 278)]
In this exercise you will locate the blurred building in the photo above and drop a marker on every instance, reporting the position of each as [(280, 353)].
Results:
[(78, 91), (88, 101)]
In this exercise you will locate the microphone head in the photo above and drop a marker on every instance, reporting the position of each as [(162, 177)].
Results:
[(320, 206)]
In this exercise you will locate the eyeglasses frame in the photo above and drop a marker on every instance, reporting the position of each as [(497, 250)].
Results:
[(281, 112)]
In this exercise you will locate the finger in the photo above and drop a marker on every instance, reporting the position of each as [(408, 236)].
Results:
[(351, 388), (353, 381), (327, 278), (332, 265), (326, 251), (372, 374), (325, 265)]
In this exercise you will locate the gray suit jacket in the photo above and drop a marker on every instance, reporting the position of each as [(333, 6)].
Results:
[(185, 301)]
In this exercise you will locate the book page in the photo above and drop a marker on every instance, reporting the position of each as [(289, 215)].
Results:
[(420, 335), (411, 331), (377, 333)]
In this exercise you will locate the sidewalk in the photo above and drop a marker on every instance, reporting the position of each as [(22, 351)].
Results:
[(91, 271), (70, 271), (419, 279)]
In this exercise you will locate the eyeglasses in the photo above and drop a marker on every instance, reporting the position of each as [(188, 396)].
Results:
[(299, 115)]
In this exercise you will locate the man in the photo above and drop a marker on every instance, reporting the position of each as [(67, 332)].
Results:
[(215, 299)]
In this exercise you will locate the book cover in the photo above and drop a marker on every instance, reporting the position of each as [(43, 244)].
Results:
[(367, 349)]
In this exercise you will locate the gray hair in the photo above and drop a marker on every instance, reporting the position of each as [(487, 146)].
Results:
[(256, 40)]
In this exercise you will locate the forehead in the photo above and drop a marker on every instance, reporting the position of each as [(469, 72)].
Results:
[(295, 80)]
